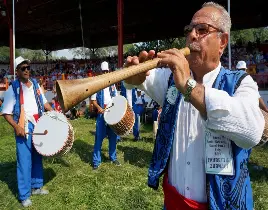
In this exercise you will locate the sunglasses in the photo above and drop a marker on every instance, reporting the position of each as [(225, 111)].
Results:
[(201, 29), (24, 68)]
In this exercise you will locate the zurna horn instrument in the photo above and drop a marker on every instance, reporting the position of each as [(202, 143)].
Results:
[(72, 92)]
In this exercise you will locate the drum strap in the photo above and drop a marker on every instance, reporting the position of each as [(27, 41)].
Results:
[(36, 117), (22, 113)]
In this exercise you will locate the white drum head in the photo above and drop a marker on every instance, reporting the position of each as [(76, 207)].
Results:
[(58, 130), (117, 111)]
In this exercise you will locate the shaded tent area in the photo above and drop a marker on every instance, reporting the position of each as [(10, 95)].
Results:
[(56, 24)]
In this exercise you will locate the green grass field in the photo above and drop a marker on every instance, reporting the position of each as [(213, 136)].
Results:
[(74, 185)]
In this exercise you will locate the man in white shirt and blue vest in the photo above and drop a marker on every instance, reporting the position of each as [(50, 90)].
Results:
[(241, 65), (210, 119), (100, 101), (25, 100), (138, 108)]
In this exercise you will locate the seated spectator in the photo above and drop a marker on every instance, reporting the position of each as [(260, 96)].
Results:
[(55, 105), (74, 113), (83, 111), (262, 67)]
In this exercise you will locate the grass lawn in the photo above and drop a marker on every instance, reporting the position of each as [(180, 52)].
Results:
[(74, 185)]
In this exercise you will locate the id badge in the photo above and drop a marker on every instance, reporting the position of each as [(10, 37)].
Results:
[(219, 156)]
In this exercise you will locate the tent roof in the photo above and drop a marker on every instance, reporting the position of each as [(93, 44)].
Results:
[(55, 24)]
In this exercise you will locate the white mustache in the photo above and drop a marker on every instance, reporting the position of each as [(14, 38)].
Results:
[(194, 47)]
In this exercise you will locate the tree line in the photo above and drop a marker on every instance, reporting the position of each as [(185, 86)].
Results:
[(239, 38)]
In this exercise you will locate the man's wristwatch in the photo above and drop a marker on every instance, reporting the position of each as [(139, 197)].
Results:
[(191, 83)]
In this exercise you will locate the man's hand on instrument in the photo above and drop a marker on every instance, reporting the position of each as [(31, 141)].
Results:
[(178, 64), (19, 131), (143, 56), (48, 107), (100, 110)]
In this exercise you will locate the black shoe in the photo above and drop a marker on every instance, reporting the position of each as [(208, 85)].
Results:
[(116, 162)]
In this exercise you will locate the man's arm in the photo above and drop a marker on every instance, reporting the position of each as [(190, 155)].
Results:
[(237, 117), (100, 110), (8, 106), (262, 105), (18, 130)]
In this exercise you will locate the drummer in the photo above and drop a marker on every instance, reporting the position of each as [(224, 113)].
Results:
[(25, 100), (138, 107), (100, 100), (241, 65)]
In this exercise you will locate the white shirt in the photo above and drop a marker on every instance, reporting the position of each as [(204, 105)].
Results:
[(129, 96), (30, 106), (107, 96), (237, 117), (139, 100)]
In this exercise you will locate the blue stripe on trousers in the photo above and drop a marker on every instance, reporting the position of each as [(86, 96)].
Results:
[(103, 130), (29, 166)]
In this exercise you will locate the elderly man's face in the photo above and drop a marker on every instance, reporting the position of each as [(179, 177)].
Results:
[(23, 71), (203, 38)]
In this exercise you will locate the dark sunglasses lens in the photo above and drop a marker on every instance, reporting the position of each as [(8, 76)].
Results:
[(202, 29), (187, 30), (25, 67)]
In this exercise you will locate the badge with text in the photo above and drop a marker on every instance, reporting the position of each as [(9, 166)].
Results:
[(172, 94), (219, 156)]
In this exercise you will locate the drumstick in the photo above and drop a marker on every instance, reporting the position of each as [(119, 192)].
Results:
[(45, 133), (108, 107)]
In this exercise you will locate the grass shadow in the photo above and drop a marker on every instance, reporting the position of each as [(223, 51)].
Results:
[(84, 150), (257, 172), (8, 175), (136, 156), (49, 174), (57, 160), (147, 139)]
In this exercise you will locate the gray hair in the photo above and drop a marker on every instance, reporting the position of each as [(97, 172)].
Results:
[(225, 19)]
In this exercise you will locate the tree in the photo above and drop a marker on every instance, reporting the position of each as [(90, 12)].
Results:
[(63, 58), (157, 45), (249, 35), (33, 55), (4, 54), (88, 53)]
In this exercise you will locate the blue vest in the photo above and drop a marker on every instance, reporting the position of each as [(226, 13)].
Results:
[(38, 97), (155, 114), (224, 192), (100, 95), (123, 91), (136, 109)]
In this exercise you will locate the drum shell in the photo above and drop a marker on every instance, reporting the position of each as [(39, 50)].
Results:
[(125, 126)]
